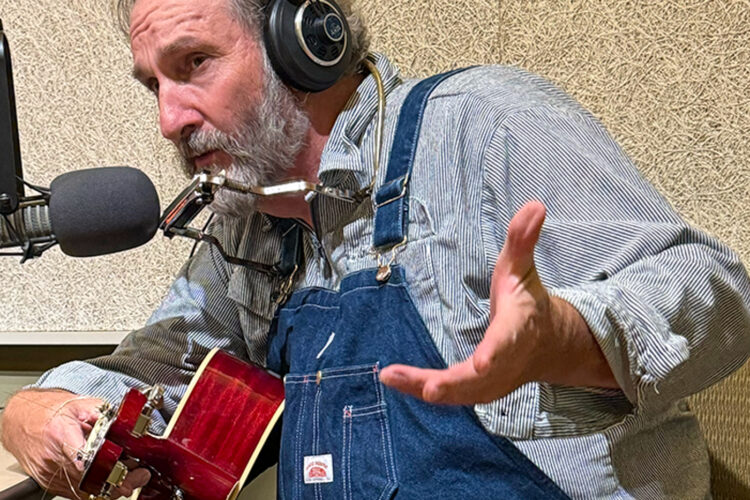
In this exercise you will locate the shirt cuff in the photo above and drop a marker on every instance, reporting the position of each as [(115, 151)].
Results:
[(610, 329)]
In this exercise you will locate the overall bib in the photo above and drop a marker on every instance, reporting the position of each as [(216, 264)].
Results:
[(344, 434)]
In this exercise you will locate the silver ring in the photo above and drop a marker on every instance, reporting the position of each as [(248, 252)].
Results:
[(301, 38)]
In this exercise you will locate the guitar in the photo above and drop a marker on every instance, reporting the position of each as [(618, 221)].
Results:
[(212, 445)]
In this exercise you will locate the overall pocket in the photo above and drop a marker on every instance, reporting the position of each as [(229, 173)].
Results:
[(336, 438)]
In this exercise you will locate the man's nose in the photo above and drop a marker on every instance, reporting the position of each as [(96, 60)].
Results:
[(178, 118)]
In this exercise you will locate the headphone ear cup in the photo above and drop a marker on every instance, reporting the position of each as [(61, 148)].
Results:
[(308, 43)]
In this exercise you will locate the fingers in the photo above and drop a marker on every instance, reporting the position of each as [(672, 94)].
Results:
[(53, 459), (136, 478), (408, 379), (71, 443), (62, 482), (66, 433), (516, 259), (88, 410), (458, 385), (65, 483), (46, 443), (523, 231), (60, 470)]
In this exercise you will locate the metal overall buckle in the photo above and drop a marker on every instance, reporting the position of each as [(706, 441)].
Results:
[(384, 268), (286, 288)]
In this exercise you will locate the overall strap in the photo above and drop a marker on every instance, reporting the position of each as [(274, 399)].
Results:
[(392, 199), (291, 247)]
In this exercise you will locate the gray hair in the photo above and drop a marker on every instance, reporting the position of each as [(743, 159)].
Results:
[(250, 13)]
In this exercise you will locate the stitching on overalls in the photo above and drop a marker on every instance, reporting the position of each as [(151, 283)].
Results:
[(298, 446)]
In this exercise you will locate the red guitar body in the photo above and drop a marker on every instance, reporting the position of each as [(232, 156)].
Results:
[(211, 444)]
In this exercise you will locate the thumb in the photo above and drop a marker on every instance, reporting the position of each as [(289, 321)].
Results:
[(517, 256), (136, 478)]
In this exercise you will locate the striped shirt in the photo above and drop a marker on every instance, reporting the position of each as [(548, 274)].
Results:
[(667, 303)]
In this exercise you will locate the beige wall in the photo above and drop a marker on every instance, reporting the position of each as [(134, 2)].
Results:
[(669, 79)]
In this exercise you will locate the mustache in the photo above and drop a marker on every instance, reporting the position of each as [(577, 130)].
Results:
[(202, 141)]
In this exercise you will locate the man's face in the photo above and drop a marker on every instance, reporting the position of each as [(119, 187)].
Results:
[(219, 101)]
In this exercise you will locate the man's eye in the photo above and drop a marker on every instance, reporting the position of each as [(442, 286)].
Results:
[(197, 60)]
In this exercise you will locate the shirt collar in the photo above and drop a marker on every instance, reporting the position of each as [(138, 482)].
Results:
[(341, 163)]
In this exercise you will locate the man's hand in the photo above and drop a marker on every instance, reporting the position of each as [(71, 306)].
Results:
[(45, 430), (531, 336)]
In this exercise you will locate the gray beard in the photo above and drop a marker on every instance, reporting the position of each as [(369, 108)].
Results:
[(263, 148)]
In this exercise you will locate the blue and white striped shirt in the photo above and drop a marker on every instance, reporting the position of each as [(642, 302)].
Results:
[(667, 303)]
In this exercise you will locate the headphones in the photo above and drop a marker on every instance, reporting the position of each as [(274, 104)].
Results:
[(308, 42)]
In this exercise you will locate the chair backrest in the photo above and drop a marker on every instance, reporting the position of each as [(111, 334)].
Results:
[(724, 413)]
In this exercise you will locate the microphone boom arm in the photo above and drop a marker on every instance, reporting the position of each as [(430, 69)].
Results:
[(201, 191), (294, 187)]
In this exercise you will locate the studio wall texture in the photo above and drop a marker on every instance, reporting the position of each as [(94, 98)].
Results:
[(670, 80)]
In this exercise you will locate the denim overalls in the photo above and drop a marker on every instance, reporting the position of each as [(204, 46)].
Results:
[(347, 436)]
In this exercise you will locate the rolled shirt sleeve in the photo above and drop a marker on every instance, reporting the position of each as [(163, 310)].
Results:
[(667, 303)]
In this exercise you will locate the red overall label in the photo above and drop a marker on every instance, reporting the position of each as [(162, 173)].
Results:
[(319, 469)]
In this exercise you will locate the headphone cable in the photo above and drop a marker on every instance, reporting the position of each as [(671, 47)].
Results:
[(370, 65)]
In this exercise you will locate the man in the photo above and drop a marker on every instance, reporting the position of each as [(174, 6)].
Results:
[(577, 338)]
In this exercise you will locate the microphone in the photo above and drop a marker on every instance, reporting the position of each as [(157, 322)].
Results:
[(88, 212)]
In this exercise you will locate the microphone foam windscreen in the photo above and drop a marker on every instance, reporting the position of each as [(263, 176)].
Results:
[(103, 210)]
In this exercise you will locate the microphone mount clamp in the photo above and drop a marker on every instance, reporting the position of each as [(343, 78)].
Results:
[(201, 192)]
